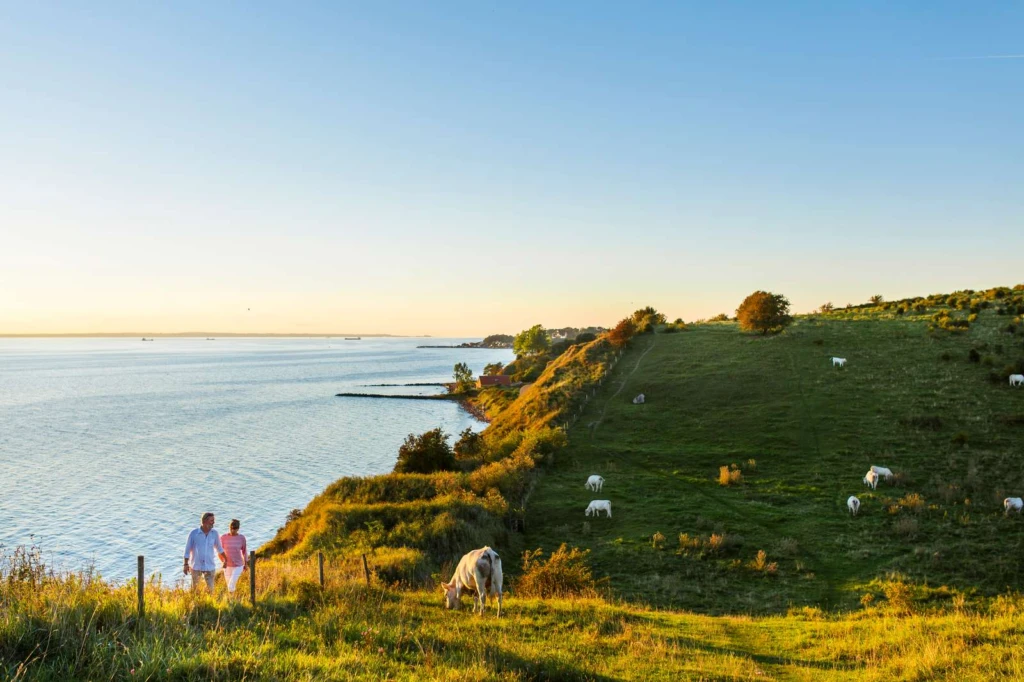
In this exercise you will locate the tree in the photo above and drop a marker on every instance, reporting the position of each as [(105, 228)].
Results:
[(469, 445), (585, 337), (493, 369), (425, 454), (622, 333), (763, 311), (645, 319), (531, 341), (826, 307), (463, 377), (876, 299)]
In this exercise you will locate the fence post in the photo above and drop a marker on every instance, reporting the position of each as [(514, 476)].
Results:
[(366, 571), (252, 577), (320, 560), (142, 587)]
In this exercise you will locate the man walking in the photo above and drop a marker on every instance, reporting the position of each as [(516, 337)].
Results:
[(202, 542)]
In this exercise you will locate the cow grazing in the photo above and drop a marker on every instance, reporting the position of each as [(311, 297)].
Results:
[(1017, 379), (597, 506), (883, 472), (594, 483), (871, 479), (853, 504), (639, 400), (478, 571), (839, 362), (1013, 504)]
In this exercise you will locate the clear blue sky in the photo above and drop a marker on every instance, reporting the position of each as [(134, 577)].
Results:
[(467, 168)]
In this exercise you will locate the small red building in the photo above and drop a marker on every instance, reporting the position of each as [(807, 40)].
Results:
[(494, 380)]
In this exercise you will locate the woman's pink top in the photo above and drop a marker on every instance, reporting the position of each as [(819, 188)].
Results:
[(234, 548)]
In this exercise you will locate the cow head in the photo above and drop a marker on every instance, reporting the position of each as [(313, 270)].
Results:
[(451, 596)]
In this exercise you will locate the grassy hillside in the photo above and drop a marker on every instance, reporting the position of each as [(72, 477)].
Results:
[(802, 434), (414, 524)]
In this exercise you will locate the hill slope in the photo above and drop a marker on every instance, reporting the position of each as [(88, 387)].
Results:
[(716, 397)]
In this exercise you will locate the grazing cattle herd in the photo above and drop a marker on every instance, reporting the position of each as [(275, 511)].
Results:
[(479, 571)]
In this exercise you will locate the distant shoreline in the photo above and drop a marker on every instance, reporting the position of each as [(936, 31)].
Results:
[(202, 335)]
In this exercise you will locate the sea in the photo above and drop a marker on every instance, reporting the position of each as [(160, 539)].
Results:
[(111, 448)]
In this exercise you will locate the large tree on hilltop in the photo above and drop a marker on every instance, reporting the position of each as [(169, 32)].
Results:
[(763, 312)]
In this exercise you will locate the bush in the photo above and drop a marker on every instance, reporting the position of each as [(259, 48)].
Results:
[(729, 476), (622, 333), (905, 527), (946, 356), (973, 355), (425, 454), (959, 438), (912, 502), (973, 317), (898, 593), (761, 564), (566, 573)]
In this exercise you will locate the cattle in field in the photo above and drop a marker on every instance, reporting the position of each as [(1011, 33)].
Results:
[(1013, 504), (871, 479), (639, 400), (594, 483), (597, 506), (839, 362), (1017, 379), (853, 504), (478, 571), (883, 472)]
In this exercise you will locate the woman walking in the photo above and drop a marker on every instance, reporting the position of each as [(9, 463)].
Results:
[(234, 555)]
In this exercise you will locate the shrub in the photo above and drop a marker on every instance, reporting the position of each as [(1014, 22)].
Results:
[(920, 307), (657, 540), (973, 317), (959, 438), (565, 573), (899, 594), (720, 317), (901, 310), (819, 342), (912, 502), (469, 446), (729, 476), (905, 527), (761, 564), (973, 355), (425, 454), (622, 333), (945, 356), (752, 464)]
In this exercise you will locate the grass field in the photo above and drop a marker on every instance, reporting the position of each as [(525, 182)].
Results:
[(68, 629), (716, 396)]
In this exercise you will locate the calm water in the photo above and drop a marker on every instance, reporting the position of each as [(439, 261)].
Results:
[(110, 448)]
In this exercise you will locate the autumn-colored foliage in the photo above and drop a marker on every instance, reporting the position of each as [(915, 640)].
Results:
[(763, 311), (622, 333)]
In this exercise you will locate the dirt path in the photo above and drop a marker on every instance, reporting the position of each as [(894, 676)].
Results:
[(596, 423)]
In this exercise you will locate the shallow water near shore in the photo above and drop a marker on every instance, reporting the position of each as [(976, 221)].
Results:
[(110, 448)]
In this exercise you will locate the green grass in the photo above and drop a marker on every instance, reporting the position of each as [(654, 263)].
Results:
[(66, 629), (716, 396)]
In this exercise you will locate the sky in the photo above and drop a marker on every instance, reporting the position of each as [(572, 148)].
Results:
[(461, 169)]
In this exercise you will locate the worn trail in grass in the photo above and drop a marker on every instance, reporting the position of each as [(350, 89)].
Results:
[(718, 397)]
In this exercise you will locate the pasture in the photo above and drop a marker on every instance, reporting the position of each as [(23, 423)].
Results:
[(801, 434)]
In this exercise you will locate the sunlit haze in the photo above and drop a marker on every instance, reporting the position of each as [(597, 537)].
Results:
[(462, 169)]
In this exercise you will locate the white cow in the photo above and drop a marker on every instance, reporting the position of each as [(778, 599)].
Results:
[(853, 504), (596, 506), (480, 572), (1017, 379), (883, 472), (871, 479), (839, 362), (639, 400), (594, 483), (1013, 504)]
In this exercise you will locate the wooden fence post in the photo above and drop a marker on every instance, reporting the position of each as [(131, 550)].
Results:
[(320, 560), (366, 571), (252, 577), (142, 587)]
